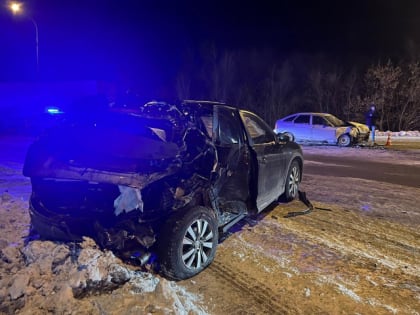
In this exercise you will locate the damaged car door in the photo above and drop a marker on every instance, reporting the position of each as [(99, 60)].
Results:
[(234, 158), (270, 159)]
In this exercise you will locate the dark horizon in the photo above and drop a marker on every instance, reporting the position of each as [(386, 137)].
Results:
[(148, 39)]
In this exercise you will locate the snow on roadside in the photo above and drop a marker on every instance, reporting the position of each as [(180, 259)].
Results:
[(185, 302), (45, 276), (399, 134)]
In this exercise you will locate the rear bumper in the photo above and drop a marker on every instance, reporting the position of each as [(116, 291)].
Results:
[(68, 211)]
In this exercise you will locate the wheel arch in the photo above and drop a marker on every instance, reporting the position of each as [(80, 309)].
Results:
[(290, 135), (350, 137), (170, 240), (299, 160)]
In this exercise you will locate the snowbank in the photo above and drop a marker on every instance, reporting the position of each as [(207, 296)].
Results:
[(409, 134)]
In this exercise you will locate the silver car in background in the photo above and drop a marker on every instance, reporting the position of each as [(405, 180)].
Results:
[(322, 128)]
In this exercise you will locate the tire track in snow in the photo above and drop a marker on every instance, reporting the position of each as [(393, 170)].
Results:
[(368, 241), (393, 236), (256, 293)]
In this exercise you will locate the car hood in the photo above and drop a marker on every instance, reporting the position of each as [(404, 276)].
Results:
[(362, 127)]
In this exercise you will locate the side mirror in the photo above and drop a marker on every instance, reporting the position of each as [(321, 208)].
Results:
[(283, 137)]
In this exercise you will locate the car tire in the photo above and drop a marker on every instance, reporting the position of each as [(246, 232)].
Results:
[(344, 140), (189, 243), (292, 181)]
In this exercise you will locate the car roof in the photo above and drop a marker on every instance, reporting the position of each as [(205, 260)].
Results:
[(307, 113), (202, 102), (208, 103), (311, 113)]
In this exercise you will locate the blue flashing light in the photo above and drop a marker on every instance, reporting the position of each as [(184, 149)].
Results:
[(53, 111)]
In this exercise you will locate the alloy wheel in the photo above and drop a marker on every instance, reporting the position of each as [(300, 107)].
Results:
[(197, 244), (293, 181)]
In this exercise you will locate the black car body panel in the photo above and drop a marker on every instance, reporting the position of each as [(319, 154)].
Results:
[(117, 176)]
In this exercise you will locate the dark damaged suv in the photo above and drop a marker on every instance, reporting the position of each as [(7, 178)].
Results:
[(161, 179)]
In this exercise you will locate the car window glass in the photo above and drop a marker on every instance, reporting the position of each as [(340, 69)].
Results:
[(302, 119), (318, 120), (160, 133), (334, 121), (208, 124), (229, 127), (289, 119), (258, 130)]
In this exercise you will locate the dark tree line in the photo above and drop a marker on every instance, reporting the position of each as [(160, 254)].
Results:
[(274, 86)]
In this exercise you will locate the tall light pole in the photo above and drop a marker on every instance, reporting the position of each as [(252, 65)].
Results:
[(16, 8)]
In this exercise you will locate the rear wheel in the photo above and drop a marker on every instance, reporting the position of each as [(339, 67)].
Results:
[(344, 140), (292, 181), (189, 243)]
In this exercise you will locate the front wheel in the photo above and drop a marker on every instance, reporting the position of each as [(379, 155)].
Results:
[(344, 140), (292, 181), (188, 243)]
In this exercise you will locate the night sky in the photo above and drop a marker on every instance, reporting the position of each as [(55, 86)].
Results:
[(119, 40)]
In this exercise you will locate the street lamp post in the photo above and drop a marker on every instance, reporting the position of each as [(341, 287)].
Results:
[(16, 8), (36, 45)]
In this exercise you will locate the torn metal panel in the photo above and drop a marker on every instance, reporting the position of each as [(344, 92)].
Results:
[(88, 174), (125, 236), (128, 200)]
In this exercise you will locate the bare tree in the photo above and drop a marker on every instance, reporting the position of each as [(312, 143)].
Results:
[(183, 86), (351, 103), (381, 86), (225, 73), (272, 87), (217, 72), (409, 105), (276, 91), (324, 87), (316, 89)]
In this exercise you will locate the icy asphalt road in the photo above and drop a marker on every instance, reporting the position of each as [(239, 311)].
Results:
[(364, 168)]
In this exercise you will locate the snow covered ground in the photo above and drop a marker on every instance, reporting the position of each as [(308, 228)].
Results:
[(358, 253)]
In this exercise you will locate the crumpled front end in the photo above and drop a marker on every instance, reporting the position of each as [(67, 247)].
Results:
[(345, 130), (116, 185), (363, 131), (356, 134)]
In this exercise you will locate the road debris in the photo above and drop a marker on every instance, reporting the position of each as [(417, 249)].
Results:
[(305, 200)]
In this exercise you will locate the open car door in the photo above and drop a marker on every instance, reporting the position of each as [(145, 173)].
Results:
[(271, 164)]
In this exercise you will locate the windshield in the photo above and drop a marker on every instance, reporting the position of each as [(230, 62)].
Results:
[(334, 121)]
